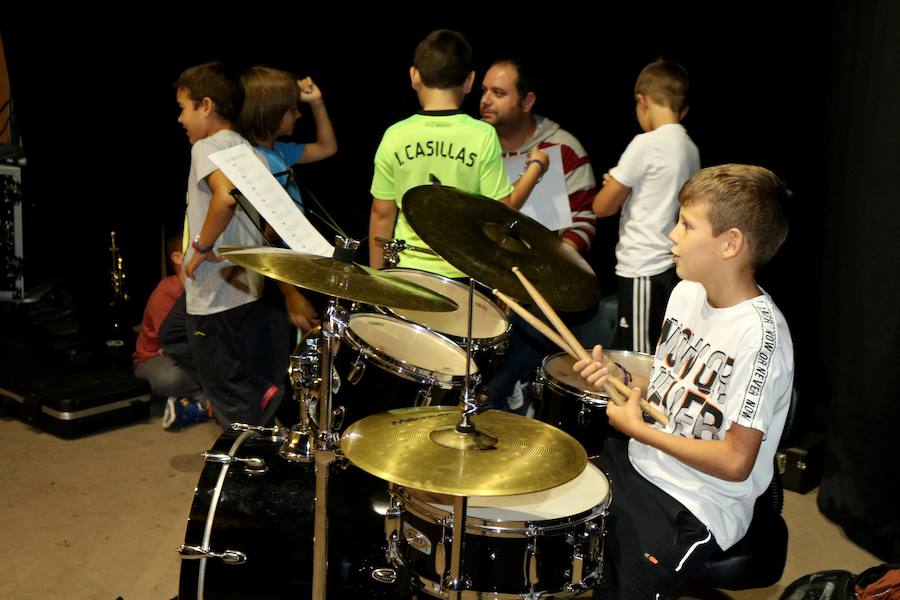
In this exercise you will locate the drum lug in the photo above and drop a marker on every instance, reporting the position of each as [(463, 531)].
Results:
[(229, 557), (337, 417), (584, 415), (532, 565), (252, 466), (537, 386), (577, 568), (357, 369), (423, 396)]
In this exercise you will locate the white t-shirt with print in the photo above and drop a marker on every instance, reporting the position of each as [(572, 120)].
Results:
[(714, 368), (218, 286)]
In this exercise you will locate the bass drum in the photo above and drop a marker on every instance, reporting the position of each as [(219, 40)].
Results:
[(257, 515)]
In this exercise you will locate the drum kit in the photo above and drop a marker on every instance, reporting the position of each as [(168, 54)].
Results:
[(395, 482)]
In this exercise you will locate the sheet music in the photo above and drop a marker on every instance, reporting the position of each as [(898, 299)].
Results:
[(270, 199), (548, 203)]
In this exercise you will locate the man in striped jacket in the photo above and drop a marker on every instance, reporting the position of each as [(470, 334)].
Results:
[(507, 100)]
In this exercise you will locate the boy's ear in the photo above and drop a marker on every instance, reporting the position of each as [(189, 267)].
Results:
[(469, 82), (415, 80), (734, 243), (207, 106)]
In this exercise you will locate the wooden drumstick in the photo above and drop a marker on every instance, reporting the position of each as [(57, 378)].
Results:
[(536, 323), (554, 337), (581, 352)]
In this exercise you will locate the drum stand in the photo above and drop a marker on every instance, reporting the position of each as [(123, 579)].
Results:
[(319, 441), (462, 436)]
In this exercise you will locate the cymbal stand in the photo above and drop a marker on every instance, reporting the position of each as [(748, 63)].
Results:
[(468, 407), (311, 441), (326, 444)]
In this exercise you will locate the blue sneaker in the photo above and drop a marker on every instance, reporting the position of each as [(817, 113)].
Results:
[(180, 412)]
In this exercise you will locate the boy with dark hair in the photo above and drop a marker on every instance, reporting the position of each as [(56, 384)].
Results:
[(644, 186), (224, 322), (167, 375), (722, 373), (439, 142)]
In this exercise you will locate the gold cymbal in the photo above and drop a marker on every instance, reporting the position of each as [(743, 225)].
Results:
[(484, 239), (420, 448), (339, 278)]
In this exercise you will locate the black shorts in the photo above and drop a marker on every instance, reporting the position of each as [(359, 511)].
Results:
[(653, 542)]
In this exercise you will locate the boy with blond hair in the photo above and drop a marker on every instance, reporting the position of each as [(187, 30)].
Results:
[(644, 186), (722, 373)]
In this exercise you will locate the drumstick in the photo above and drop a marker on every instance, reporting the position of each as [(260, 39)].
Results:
[(579, 349), (554, 337), (536, 323)]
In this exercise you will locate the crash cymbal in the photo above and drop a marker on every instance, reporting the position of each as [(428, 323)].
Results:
[(339, 278), (484, 239), (420, 448)]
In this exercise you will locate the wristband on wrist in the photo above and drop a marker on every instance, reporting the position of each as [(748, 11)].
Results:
[(530, 161), (626, 376), (198, 248)]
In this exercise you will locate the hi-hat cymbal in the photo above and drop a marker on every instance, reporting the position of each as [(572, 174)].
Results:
[(339, 278), (420, 448), (484, 239)]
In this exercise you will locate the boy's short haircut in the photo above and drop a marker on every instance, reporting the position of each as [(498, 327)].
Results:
[(665, 82), (526, 82), (218, 82), (269, 93), (746, 197), (443, 59)]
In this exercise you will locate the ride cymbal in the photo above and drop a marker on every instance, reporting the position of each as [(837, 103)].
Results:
[(339, 278), (484, 239), (420, 448)]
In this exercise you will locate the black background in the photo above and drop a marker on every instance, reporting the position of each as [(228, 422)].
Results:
[(807, 90)]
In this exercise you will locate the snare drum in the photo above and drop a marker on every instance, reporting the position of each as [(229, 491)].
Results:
[(385, 362), (564, 400), (490, 327), (545, 544)]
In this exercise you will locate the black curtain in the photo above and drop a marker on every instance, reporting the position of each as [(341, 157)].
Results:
[(860, 317), (810, 91)]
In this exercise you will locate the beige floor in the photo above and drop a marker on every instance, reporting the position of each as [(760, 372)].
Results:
[(100, 517)]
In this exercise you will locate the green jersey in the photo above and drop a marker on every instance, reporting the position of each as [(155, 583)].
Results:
[(458, 150)]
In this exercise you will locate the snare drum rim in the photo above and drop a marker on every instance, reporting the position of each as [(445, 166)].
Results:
[(487, 527), (477, 343), (403, 368), (594, 397)]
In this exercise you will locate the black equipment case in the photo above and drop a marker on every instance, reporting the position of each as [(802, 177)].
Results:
[(76, 403)]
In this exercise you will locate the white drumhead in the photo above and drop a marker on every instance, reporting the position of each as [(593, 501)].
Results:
[(488, 320), (414, 345), (559, 367), (576, 496)]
